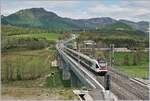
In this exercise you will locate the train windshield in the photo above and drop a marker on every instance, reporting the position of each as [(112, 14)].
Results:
[(102, 63)]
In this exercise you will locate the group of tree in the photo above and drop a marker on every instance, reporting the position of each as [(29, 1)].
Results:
[(8, 30), (127, 39), (12, 37)]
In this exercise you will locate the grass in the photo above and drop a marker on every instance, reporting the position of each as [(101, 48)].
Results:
[(56, 80), (135, 71), (26, 64), (37, 94), (140, 70), (24, 71), (47, 36), (31, 64), (119, 58)]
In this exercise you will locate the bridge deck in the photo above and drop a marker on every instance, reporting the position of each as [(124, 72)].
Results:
[(97, 94), (121, 86)]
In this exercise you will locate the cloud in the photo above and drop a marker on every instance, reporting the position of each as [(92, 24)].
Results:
[(125, 9), (135, 10), (9, 7)]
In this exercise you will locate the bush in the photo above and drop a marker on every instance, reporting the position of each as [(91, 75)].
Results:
[(126, 60)]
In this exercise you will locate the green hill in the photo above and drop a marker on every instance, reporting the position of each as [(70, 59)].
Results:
[(37, 17), (118, 26), (40, 18)]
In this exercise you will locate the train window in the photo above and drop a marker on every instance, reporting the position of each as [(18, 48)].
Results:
[(102, 64), (97, 66)]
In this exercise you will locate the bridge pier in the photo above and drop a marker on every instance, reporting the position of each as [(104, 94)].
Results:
[(67, 73), (74, 81), (60, 62)]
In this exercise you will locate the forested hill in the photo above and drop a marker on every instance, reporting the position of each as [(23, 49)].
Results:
[(40, 18)]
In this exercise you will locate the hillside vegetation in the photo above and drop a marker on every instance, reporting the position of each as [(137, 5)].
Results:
[(118, 26), (41, 18), (119, 34), (16, 37), (27, 54)]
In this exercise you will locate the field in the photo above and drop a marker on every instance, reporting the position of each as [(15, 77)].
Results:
[(141, 69), (47, 36), (26, 71), (27, 54), (18, 93), (129, 63), (25, 65), (24, 38)]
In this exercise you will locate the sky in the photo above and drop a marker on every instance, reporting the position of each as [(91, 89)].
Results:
[(135, 10)]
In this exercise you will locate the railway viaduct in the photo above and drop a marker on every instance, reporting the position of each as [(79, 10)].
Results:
[(122, 87)]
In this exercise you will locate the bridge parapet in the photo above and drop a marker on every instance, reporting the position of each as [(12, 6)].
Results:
[(77, 73), (86, 77)]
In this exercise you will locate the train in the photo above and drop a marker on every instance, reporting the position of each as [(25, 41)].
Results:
[(98, 66)]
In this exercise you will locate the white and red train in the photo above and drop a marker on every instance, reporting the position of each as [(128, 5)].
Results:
[(97, 66)]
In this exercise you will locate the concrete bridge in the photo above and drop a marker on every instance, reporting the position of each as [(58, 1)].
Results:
[(122, 87), (77, 74)]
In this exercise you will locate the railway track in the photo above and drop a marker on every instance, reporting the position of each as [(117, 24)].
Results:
[(125, 88), (139, 82), (121, 85)]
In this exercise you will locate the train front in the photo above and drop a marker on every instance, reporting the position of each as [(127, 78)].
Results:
[(102, 66)]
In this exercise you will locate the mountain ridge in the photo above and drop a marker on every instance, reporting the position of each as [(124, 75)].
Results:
[(39, 17)]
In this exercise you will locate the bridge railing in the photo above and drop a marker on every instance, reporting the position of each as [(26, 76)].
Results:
[(80, 71)]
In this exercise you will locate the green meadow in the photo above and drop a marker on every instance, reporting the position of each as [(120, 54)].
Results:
[(47, 36), (141, 69)]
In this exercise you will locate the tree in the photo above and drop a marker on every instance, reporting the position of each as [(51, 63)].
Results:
[(126, 60), (135, 58)]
